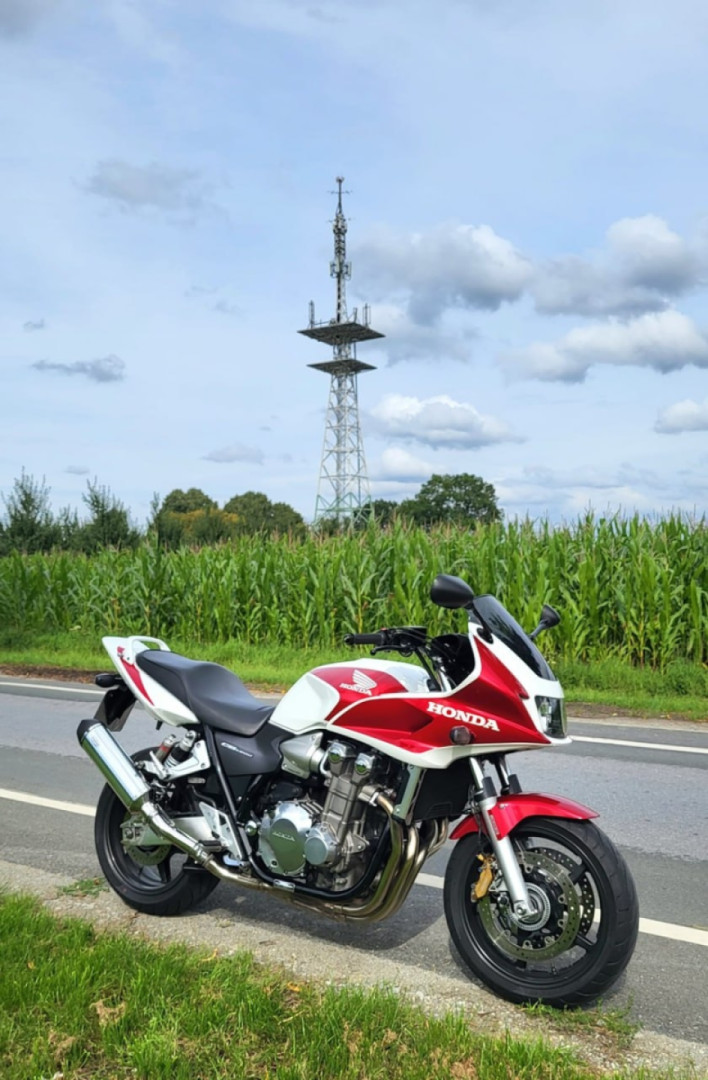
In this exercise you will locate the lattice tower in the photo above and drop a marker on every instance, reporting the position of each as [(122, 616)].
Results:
[(343, 487)]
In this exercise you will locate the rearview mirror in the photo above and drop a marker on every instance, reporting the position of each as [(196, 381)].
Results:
[(451, 592), (549, 618)]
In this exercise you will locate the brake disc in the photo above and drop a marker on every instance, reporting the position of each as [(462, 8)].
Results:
[(135, 832), (556, 921), (587, 895)]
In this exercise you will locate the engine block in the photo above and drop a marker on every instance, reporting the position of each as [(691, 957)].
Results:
[(297, 833)]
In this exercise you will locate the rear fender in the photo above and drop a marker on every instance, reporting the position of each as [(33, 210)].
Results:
[(511, 809), (115, 707)]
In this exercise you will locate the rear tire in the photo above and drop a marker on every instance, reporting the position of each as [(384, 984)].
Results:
[(587, 914), (156, 881)]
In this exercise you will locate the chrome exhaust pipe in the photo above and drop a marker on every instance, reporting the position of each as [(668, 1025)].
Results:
[(118, 769), (130, 786)]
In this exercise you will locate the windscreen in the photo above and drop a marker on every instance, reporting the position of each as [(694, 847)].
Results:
[(506, 628)]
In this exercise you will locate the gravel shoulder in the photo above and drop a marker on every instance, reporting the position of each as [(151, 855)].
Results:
[(304, 958)]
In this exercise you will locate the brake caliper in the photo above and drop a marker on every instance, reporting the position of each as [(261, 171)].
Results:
[(486, 876)]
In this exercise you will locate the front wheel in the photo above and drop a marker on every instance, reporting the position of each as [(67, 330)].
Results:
[(584, 926)]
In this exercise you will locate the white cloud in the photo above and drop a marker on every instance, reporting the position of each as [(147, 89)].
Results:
[(451, 265), (77, 470), (641, 266), (408, 340), (572, 285), (130, 20), (135, 187), (398, 464), (31, 325), (227, 307), (106, 369), (236, 452), (650, 254), (665, 341), (438, 422), (573, 490), (683, 416), (20, 16)]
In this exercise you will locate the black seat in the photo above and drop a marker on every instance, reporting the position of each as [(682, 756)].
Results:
[(214, 694)]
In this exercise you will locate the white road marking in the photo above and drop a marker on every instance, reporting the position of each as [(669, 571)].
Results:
[(691, 934), (51, 804), (426, 879), (43, 686), (642, 745), (576, 738)]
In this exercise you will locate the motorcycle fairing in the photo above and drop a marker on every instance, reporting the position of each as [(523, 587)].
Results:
[(511, 809), (494, 703)]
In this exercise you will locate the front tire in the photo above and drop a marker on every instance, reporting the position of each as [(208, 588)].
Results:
[(155, 880), (585, 925)]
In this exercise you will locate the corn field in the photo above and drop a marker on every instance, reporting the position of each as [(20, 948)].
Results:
[(629, 588)]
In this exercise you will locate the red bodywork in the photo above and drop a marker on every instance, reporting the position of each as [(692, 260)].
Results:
[(133, 674), (511, 809), (490, 706)]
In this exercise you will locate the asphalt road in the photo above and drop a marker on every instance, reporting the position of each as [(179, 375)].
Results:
[(652, 798)]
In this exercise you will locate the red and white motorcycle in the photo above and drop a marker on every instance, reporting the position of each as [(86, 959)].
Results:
[(334, 798)]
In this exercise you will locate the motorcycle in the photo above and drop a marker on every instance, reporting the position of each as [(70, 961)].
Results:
[(335, 797)]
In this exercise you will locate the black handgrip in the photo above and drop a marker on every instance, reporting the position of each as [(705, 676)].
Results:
[(379, 638)]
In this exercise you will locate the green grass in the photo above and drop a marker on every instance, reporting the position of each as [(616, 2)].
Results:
[(85, 887), (681, 692), (96, 1006), (615, 1023), (270, 666)]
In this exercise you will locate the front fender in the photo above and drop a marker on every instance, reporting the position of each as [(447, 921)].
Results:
[(511, 809)]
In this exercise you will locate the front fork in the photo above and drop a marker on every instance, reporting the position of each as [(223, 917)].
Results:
[(485, 798)]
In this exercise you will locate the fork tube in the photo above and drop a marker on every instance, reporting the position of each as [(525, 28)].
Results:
[(486, 799)]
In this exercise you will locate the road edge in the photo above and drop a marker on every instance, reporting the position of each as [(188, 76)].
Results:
[(211, 930)]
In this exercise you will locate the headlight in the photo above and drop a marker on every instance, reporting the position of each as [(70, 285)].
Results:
[(553, 718)]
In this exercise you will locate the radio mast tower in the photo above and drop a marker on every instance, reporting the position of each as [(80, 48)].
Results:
[(343, 487)]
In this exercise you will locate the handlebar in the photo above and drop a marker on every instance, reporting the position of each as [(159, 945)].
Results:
[(380, 638), (395, 638)]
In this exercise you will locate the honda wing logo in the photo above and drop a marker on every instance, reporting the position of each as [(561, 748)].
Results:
[(466, 717), (360, 684)]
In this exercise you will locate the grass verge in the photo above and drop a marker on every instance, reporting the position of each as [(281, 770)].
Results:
[(92, 1006), (679, 692)]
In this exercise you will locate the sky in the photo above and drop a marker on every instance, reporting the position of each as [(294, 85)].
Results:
[(527, 216)]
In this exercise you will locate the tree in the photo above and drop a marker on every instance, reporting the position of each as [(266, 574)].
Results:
[(187, 517), (256, 513), (108, 524), (30, 524), (462, 499), (184, 502), (382, 510)]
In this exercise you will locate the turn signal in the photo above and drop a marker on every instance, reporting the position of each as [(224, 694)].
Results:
[(461, 736)]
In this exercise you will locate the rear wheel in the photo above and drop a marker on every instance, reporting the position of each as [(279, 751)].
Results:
[(584, 926), (157, 879)]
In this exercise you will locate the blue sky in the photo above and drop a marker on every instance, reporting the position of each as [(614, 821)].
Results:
[(528, 217)]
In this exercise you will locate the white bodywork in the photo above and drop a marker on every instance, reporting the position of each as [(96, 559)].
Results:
[(159, 702), (310, 701)]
